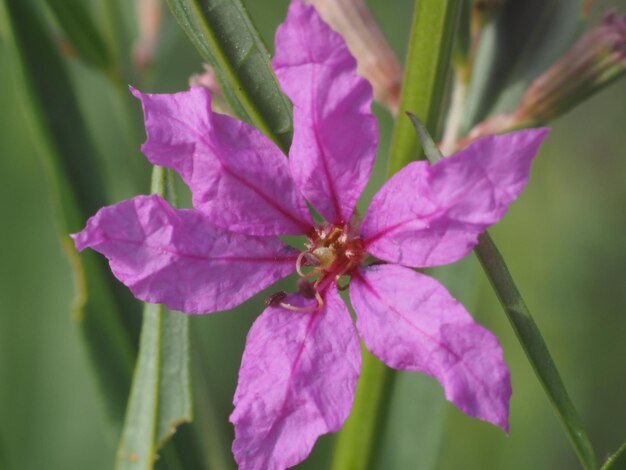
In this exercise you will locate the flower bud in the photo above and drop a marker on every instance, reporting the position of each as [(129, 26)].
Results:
[(208, 80), (594, 61), (375, 59), (149, 20)]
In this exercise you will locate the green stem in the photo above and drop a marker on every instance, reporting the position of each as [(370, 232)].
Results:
[(617, 460), (432, 36), (428, 63), (535, 347)]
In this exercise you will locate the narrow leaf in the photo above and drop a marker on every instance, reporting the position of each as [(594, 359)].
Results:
[(432, 152), (52, 109), (226, 38), (617, 461), (160, 396), (81, 32), (535, 347), (519, 43)]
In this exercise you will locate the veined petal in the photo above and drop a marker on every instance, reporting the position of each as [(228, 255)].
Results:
[(432, 215), (297, 380), (335, 133), (237, 176), (177, 258), (411, 322)]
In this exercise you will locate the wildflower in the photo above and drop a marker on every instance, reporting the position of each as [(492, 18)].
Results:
[(302, 355)]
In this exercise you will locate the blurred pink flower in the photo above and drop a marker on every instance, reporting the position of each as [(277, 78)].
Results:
[(302, 356)]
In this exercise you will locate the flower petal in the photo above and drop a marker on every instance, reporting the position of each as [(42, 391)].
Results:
[(238, 177), (177, 258), (410, 321), (297, 380), (432, 215), (335, 133)]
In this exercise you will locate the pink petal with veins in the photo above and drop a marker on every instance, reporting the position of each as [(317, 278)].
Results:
[(296, 382), (237, 176), (178, 258), (335, 133), (432, 215), (410, 322)]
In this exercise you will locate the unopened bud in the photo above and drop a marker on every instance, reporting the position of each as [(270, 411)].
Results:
[(149, 19), (375, 59), (594, 61), (208, 80)]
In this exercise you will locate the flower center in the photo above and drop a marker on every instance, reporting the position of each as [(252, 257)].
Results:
[(332, 251)]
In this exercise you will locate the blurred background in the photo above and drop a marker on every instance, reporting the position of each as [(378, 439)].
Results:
[(564, 241)]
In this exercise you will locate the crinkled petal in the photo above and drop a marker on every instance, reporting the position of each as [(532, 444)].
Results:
[(178, 258), (237, 176), (335, 133), (410, 321), (297, 380), (432, 215)]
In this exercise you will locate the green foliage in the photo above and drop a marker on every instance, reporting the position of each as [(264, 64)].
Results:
[(617, 461), (59, 129), (160, 398), (81, 32)]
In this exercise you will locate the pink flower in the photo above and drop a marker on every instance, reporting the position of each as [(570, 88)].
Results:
[(302, 357)]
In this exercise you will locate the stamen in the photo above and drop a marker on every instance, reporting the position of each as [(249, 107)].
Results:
[(306, 289), (293, 308), (299, 263), (275, 299)]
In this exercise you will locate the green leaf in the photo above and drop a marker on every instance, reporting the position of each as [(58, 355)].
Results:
[(118, 30), (521, 41), (160, 397), (51, 107), (225, 37), (427, 66), (617, 461), (432, 152), (535, 347), (81, 31)]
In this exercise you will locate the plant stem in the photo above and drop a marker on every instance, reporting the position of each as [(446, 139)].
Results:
[(535, 347), (432, 36)]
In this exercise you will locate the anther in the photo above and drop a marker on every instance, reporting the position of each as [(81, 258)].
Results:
[(275, 299)]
